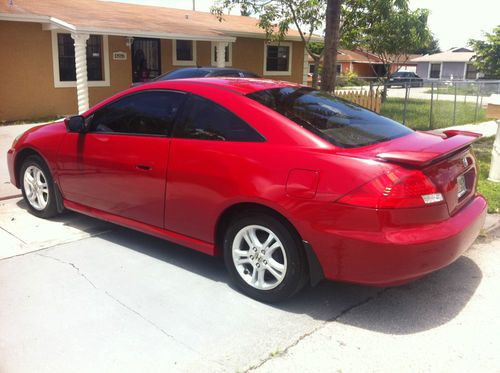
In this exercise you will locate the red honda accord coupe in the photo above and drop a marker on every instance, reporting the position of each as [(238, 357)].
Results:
[(289, 184)]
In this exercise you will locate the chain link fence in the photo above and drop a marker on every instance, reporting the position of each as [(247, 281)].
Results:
[(425, 105)]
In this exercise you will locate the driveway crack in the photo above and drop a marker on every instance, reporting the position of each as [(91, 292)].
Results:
[(343, 312), (70, 264), (128, 308)]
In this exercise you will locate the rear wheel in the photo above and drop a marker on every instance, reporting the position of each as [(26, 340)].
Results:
[(37, 187), (264, 257)]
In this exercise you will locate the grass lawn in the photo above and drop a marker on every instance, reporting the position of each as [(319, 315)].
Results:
[(417, 115), (489, 189)]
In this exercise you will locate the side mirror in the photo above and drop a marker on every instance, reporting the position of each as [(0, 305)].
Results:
[(75, 124)]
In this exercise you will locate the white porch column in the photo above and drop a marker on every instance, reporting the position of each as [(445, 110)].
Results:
[(220, 58), (82, 88)]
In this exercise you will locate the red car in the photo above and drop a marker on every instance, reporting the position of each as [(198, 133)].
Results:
[(289, 184)]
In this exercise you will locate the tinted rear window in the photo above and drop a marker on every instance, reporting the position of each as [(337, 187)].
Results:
[(335, 120)]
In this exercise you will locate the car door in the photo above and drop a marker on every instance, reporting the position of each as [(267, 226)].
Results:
[(210, 149), (119, 165)]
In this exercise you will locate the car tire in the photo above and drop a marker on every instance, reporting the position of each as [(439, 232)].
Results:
[(265, 257), (37, 187)]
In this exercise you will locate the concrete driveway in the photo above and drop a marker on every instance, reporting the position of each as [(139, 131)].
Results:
[(81, 295)]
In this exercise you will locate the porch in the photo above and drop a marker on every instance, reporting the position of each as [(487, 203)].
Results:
[(83, 59)]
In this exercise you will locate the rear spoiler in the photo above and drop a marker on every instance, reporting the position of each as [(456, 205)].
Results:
[(454, 141)]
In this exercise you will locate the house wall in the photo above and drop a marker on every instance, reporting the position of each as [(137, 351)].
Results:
[(456, 69), (363, 69), (248, 54), (423, 69), (27, 81), (27, 90)]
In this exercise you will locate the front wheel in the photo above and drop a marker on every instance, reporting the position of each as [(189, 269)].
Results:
[(37, 187), (264, 257)]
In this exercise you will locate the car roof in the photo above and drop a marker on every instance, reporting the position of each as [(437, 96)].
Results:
[(239, 85)]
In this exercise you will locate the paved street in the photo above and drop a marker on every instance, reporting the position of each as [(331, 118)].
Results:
[(81, 295)]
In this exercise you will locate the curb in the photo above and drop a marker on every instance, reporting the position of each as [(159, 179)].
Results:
[(491, 223)]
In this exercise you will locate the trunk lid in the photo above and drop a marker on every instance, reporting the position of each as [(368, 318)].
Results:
[(447, 159)]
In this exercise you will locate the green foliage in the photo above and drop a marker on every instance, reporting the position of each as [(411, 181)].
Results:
[(489, 189), (276, 16), (350, 79), (487, 59), (431, 48), (387, 28), (316, 47)]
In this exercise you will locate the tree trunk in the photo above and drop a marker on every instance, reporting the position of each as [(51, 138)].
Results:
[(332, 33), (315, 73)]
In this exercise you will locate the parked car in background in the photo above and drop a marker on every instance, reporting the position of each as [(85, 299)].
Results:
[(405, 79), (289, 184), (203, 72)]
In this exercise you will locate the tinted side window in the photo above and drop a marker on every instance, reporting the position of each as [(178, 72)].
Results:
[(206, 120), (145, 113)]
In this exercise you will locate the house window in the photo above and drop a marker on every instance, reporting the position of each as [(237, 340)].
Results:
[(471, 71), (63, 59), (184, 52), (66, 54), (339, 68), (278, 59), (312, 67), (228, 54), (435, 71)]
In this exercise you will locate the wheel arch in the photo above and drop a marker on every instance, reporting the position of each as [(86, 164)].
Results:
[(20, 158), (314, 269)]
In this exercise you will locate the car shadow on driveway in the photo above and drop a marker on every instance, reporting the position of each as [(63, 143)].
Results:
[(424, 304)]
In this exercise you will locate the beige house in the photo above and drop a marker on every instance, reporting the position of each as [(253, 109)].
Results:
[(60, 57)]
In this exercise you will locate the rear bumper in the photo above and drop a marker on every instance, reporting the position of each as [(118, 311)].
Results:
[(396, 255)]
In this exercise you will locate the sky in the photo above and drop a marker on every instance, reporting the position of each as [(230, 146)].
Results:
[(453, 22)]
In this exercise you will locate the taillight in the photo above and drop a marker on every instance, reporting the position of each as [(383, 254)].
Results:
[(395, 189)]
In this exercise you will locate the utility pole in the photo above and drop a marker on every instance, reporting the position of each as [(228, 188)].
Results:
[(194, 5)]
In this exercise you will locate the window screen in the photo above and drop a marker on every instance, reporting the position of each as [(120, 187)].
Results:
[(66, 51), (184, 50), (278, 57)]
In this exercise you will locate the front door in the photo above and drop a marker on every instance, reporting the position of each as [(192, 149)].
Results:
[(120, 165), (146, 61)]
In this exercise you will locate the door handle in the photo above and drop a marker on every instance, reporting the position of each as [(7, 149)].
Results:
[(144, 167)]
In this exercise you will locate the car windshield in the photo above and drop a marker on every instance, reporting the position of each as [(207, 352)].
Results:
[(338, 121), (395, 75)]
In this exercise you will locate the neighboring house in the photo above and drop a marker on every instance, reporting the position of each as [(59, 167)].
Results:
[(46, 42), (453, 64), (365, 64)]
